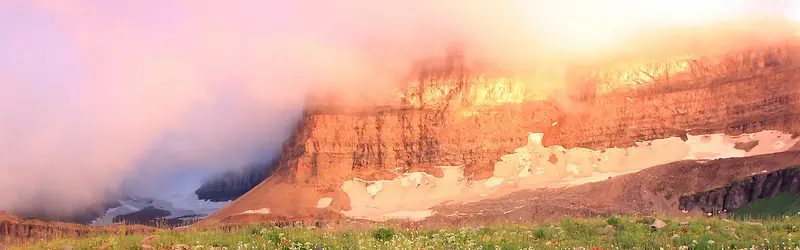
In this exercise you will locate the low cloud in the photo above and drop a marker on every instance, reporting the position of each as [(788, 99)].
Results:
[(96, 92)]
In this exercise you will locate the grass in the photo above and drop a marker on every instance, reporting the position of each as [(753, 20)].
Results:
[(569, 233), (785, 203)]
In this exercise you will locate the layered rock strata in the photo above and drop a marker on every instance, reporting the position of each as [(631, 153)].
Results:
[(457, 118), (472, 123)]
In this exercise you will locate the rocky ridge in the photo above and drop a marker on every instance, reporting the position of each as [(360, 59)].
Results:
[(14, 230)]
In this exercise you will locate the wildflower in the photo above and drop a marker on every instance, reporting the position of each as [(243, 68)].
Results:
[(711, 242)]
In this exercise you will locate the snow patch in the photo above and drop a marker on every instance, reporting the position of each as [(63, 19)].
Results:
[(324, 202), (186, 206), (375, 188), (493, 181), (130, 207), (513, 209), (411, 178), (778, 145), (377, 200), (259, 211), (574, 169), (413, 215)]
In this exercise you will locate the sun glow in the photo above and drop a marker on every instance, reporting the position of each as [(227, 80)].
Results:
[(583, 25), (793, 14)]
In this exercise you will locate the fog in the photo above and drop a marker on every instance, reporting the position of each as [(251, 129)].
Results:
[(96, 96)]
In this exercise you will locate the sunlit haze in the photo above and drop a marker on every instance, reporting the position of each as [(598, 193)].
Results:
[(101, 95)]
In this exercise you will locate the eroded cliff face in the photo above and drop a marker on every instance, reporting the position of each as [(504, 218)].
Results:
[(452, 117), (473, 121), (744, 92)]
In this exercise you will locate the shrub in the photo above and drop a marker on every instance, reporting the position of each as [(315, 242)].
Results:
[(614, 221), (383, 234), (256, 230), (540, 233)]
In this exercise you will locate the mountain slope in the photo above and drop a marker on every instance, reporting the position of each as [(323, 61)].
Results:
[(456, 136)]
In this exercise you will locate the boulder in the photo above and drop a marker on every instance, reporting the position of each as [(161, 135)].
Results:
[(658, 224)]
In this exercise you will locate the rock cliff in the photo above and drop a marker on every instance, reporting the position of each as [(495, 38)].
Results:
[(232, 184), (743, 191), (452, 114), (472, 122)]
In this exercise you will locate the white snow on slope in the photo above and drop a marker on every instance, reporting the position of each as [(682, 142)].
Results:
[(530, 167), (188, 205)]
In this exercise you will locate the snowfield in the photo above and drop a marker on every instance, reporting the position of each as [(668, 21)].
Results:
[(412, 195)]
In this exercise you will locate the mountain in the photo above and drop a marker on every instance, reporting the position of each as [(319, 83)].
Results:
[(177, 211), (230, 185), (459, 134)]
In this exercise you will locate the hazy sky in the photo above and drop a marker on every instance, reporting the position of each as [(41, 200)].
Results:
[(93, 92)]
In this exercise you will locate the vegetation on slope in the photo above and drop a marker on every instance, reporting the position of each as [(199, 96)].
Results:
[(785, 203), (569, 233)]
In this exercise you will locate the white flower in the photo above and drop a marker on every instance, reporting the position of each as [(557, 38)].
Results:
[(711, 242)]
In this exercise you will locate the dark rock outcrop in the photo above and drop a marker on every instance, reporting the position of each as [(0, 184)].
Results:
[(152, 216), (741, 192), (232, 184), (144, 216)]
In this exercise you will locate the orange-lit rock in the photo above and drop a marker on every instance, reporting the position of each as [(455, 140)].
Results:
[(459, 125)]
